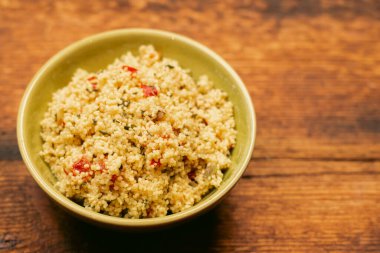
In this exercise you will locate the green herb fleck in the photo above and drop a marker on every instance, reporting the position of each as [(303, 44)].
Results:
[(104, 132)]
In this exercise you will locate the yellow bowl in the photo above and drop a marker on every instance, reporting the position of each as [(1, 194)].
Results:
[(96, 52)]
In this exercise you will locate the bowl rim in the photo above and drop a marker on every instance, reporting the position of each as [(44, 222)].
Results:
[(78, 210)]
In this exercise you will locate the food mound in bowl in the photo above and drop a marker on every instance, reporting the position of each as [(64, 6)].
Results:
[(139, 139)]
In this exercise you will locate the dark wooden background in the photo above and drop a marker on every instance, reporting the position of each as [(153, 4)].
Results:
[(312, 68)]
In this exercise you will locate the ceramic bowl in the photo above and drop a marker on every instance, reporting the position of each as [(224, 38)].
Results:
[(96, 52)]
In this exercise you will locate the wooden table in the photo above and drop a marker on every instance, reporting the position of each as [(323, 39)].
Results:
[(313, 71)]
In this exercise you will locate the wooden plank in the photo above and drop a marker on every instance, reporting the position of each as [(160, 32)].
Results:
[(316, 95), (278, 206), (312, 69)]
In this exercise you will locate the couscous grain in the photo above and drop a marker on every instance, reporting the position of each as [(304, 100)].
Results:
[(139, 139)]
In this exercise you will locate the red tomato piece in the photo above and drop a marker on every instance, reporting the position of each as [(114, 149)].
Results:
[(80, 165), (155, 163), (149, 90), (129, 68)]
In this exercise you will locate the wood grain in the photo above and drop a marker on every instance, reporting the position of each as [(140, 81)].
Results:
[(312, 68)]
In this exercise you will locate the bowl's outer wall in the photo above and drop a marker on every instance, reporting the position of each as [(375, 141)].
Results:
[(96, 53)]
